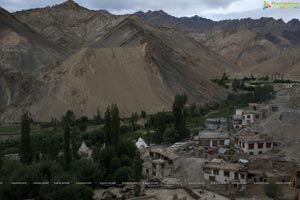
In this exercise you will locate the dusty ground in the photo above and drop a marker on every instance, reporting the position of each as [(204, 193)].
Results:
[(190, 171), (207, 195), (164, 194), (284, 125)]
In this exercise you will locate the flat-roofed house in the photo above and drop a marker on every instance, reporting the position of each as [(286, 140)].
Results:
[(243, 117), (224, 172), (213, 139), (253, 143), (270, 169), (160, 163)]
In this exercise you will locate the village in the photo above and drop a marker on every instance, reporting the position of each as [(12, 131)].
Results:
[(252, 154), (236, 160)]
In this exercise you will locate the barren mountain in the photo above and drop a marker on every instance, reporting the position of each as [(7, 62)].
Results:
[(105, 59), (259, 46), (68, 24)]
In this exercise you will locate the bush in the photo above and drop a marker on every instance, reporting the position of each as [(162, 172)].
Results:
[(122, 175), (273, 191)]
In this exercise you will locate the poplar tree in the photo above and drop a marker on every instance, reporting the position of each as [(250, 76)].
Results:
[(112, 125), (107, 126), (25, 148), (67, 150), (115, 125), (179, 114)]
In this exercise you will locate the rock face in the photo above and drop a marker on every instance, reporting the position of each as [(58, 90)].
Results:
[(261, 46), (69, 57)]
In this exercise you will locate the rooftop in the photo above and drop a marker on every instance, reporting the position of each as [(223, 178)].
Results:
[(251, 137), (165, 152), (212, 134), (224, 166)]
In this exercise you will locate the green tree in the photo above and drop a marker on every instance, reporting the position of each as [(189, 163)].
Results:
[(264, 93), (67, 150), (159, 126), (72, 192), (170, 135), (122, 174), (137, 167), (87, 171), (143, 114), (98, 118), (179, 114), (134, 119), (107, 126), (82, 123), (112, 125), (273, 191), (115, 163), (104, 158), (115, 125), (193, 108), (69, 118), (26, 154)]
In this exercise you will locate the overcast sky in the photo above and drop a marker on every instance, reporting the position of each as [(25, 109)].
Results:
[(212, 9)]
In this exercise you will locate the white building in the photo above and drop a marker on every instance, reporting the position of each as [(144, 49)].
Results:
[(254, 144), (84, 151), (243, 117), (141, 143), (219, 171), (213, 139)]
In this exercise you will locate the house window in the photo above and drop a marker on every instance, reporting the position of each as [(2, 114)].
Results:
[(243, 145), (260, 145), (236, 175), (251, 146), (153, 165), (226, 173), (221, 142), (215, 143), (260, 152), (216, 172), (153, 173), (207, 171), (248, 116), (242, 176), (250, 153), (212, 178), (257, 116), (268, 144)]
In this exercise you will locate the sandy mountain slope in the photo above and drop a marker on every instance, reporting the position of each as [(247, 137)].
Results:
[(24, 54), (113, 59), (23, 49), (252, 52), (259, 46), (68, 24)]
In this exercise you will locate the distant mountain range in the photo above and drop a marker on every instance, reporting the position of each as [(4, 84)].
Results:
[(68, 57)]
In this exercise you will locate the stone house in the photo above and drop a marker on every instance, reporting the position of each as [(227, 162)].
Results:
[(160, 163)]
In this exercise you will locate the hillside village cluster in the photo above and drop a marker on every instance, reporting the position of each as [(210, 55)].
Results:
[(232, 159), (229, 156)]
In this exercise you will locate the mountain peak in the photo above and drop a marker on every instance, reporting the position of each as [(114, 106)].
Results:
[(69, 4)]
